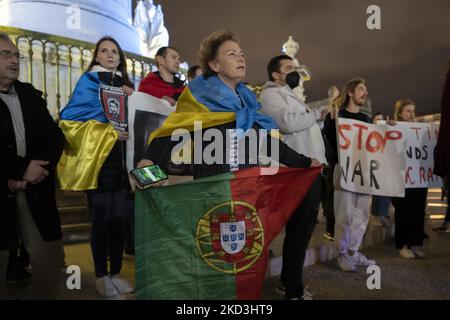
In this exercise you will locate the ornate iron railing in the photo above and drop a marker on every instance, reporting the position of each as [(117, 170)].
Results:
[(53, 64)]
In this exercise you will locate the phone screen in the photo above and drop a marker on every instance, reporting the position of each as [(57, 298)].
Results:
[(148, 175)]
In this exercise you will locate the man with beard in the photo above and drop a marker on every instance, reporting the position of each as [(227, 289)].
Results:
[(351, 209)]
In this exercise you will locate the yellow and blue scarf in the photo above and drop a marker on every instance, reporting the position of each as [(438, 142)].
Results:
[(212, 102)]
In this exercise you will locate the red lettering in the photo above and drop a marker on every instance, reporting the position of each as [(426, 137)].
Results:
[(430, 175), (417, 132), (422, 175), (375, 135), (408, 176), (361, 128), (374, 141), (391, 135), (380, 141), (347, 141)]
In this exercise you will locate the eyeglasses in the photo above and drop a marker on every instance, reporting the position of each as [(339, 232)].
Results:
[(9, 54)]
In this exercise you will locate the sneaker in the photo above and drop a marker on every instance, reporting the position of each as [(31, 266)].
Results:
[(406, 253), (105, 287), (360, 260), (307, 294), (346, 263), (328, 236), (122, 285), (418, 252)]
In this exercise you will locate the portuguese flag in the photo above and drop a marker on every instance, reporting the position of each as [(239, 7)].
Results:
[(209, 238)]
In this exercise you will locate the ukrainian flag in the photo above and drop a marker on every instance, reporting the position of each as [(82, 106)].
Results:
[(89, 137), (212, 102)]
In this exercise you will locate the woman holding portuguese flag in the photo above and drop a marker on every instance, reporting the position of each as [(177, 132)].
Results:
[(219, 99)]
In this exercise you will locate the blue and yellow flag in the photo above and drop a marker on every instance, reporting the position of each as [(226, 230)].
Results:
[(89, 137), (212, 102)]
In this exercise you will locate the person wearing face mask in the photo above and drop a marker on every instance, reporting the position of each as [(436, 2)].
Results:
[(300, 130), (296, 121), (219, 90), (94, 161)]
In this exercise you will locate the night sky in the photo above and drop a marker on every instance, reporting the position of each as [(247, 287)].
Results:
[(407, 58)]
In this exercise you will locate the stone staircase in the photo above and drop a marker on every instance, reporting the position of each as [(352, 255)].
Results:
[(75, 224), (436, 207)]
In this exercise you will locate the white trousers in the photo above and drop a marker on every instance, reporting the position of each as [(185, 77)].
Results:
[(352, 217)]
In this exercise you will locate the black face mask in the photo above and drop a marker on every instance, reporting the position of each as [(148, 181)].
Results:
[(293, 79)]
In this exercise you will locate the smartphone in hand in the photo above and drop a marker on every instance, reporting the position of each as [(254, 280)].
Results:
[(149, 175)]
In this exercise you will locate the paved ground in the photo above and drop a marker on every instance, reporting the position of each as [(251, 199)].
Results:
[(80, 255), (427, 279), (400, 278)]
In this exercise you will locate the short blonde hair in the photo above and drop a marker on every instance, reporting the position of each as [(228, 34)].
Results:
[(209, 48), (399, 106)]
